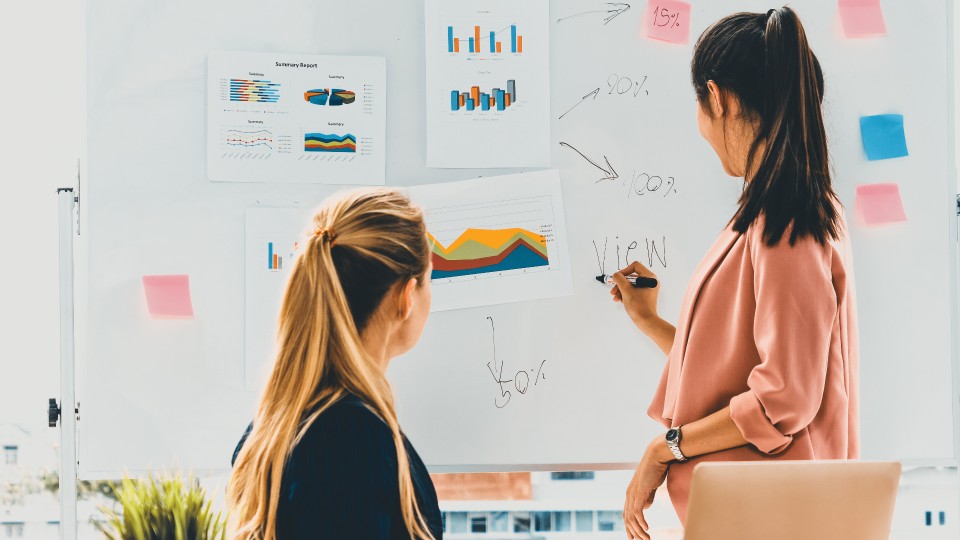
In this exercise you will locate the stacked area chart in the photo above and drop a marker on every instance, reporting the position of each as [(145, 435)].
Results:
[(479, 251)]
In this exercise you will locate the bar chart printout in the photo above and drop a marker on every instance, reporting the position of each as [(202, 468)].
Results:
[(482, 41), (271, 239), (478, 54), (496, 240), (498, 99)]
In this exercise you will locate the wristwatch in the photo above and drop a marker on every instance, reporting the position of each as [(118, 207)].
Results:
[(673, 443)]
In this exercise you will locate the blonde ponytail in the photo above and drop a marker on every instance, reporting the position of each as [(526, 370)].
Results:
[(327, 304)]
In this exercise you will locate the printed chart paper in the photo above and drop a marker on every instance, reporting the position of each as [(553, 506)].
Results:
[(271, 239), (496, 240), (488, 83), (296, 118)]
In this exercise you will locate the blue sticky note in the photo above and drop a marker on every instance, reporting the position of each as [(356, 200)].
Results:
[(883, 136)]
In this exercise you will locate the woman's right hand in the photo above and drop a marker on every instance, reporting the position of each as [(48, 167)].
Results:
[(640, 303)]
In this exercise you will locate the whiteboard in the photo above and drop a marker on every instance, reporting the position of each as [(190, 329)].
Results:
[(157, 394)]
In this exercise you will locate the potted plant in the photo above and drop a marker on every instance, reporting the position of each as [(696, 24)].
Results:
[(162, 508)]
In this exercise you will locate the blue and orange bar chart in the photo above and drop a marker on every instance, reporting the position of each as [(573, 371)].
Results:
[(274, 261), (497, 99), (254, 90), (473, 43)]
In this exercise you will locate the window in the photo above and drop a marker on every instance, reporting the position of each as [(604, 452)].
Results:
[(584, 521), (457, 522), (610, 520), (572, 475), (521, 522), (443, 519), (499, 522), (478, 524), (542, 521), (13, 530), (10, 455), (561, 521)]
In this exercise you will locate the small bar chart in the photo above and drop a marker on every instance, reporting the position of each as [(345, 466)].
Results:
[(488, 43), (497, 99), (274, 260)]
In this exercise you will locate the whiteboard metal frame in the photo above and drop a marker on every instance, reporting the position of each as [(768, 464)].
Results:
[(68, 418), (954, 203)]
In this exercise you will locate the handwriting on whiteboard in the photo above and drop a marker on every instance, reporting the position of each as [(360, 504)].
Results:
[(522, 381), (624, 252), (617, 85)]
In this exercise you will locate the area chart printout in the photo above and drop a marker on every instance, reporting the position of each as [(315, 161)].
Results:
[(488, 83), (496, 240), (296, 118)]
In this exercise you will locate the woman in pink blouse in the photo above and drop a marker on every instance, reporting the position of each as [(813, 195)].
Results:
[(763, 362)]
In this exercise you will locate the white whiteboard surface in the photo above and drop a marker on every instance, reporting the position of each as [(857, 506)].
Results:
[(157, 394)]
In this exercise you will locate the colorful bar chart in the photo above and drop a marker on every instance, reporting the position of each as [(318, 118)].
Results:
[(274, 261), (475, 44), (254, 90), (497, 99)]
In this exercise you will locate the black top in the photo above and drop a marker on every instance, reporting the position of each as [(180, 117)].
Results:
[(341, 480)]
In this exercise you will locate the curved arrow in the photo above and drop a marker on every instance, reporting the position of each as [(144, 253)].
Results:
[(610, 174)]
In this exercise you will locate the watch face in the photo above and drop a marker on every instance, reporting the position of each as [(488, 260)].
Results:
[(672, 435)]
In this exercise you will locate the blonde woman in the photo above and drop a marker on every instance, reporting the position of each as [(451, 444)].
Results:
[(325, 457)]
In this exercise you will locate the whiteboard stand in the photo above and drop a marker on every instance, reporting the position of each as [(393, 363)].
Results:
[(68, 422)]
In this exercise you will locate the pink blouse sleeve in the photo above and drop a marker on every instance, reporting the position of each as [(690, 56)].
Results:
[(796, 306)]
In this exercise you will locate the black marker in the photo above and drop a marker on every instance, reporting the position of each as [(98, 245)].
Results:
[(639, 282)]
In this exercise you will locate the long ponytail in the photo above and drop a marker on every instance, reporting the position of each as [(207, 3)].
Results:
[(329, 299), (766, 61)]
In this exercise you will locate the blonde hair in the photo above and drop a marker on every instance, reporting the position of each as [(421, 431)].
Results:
[(361, 244)]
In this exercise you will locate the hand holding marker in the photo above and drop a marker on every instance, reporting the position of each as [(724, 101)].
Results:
[(639, 282)]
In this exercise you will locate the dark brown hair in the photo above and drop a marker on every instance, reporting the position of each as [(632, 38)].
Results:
[(764, 60)]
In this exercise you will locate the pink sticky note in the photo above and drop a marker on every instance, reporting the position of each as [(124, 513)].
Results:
[(879, 203), (862, 18), (168, 297), (668, 20)]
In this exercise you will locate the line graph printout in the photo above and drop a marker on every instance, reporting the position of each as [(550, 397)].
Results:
[(488, 83), (296, 118), (496, 240)]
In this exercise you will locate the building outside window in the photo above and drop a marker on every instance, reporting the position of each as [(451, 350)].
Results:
[(10, 455), (609, 520), (584, 521), (521, 522), (478, 524), (572, 475)]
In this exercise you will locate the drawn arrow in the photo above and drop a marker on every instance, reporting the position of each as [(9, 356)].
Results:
[(616, 8), (610, 174), (584, 98)]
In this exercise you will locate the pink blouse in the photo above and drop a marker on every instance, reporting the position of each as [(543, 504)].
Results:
[(771, 332)]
